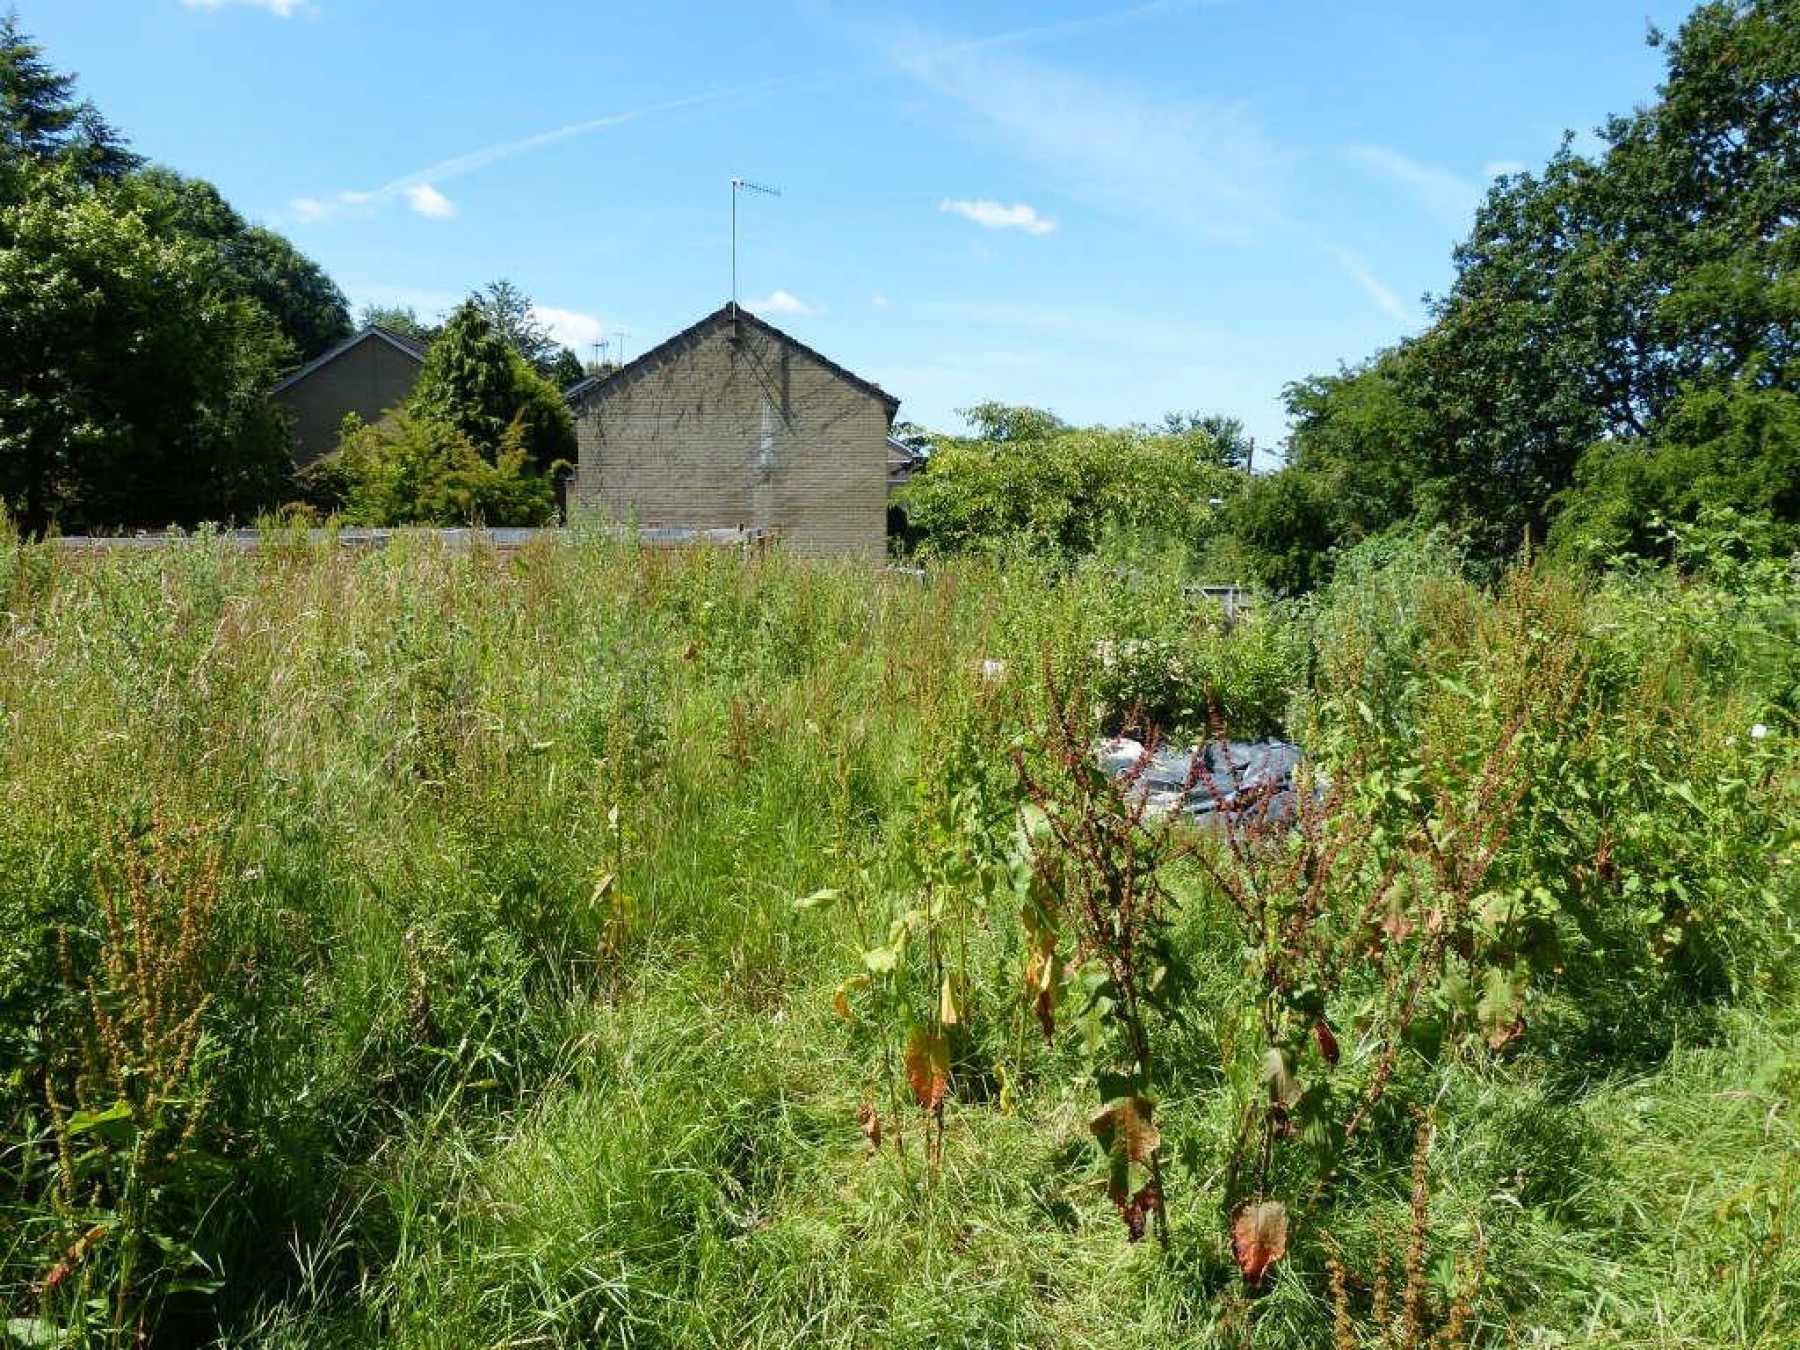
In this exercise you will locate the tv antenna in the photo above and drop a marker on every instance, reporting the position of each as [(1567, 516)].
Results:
[(736, 184)]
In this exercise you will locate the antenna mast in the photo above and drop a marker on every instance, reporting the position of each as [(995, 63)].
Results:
[(737, 183)]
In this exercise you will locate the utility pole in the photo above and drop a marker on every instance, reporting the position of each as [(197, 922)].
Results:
[(736, 184)]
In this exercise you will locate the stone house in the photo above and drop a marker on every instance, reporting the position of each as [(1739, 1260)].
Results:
[(367, 373), (733, 424)]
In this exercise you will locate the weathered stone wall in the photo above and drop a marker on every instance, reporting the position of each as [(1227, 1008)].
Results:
[(739, 431)]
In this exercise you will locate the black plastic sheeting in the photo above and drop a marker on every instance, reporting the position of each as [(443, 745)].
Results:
[(1234, 782)]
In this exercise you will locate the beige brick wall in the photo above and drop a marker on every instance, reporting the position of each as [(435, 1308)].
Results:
[(744, 433), (368, 380)]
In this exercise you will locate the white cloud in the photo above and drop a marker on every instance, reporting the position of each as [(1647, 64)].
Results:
[(1444, 194), (878, 300), (428, 201), (308, 209), (285, 9), (573, 329), (994, 216), (782, 302)]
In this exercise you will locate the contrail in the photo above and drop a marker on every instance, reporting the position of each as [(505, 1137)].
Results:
[(313, 208), (459, 165), (1064, 27)]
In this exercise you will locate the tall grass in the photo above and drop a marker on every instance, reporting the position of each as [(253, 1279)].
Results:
[(508, 1031)]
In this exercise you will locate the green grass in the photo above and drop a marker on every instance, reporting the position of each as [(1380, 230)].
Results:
[(514, 1036)]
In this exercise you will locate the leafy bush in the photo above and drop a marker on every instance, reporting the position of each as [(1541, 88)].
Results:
[(1051, 489), (412, 469), (1735, 449)]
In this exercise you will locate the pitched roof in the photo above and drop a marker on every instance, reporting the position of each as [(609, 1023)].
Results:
[(575, 394), (410, 346)]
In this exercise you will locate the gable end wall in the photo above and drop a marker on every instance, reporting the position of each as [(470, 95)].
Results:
[(740, 433), (369, 379)]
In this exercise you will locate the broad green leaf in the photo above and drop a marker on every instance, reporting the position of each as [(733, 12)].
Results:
[(113, 1124)]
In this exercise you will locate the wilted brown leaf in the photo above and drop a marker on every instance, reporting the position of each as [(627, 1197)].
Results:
[(1043, 970), (928, 1067), (1501, 1037), (1259, 1238), (840, 1000), (870, 1124), (1328, 1045), (1124, 1128), (1137, 1211)]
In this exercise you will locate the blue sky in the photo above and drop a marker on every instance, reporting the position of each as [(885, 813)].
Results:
[(1112, 211)]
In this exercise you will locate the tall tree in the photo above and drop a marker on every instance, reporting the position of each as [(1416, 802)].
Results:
[(509, 312), (475, 381), (141, 323), (1044, 486), (1590, 297), (305, 303), (132, 378), (402, 319), (566, 369), (1608, 308), (1219, 439), (1005, 422), (41, 119)]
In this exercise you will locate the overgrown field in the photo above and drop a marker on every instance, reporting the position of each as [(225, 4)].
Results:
[(582, 947)]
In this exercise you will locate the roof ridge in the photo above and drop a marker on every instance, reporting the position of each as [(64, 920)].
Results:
[(730, 310), (363, 334)]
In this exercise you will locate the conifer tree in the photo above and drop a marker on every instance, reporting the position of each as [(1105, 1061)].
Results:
[(41, 119)]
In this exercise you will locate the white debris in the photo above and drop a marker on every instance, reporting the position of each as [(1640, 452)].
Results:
[(1118, 753)]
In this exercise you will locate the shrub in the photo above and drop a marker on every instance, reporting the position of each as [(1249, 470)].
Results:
[(414, 469)]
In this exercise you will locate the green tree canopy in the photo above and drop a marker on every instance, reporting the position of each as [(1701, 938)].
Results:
[(142, 322), (1046, 486), (510, 313), (996, 422), (413, 470), (402, 319), (305, 303), (475, 443), (132, 378), (1600, 307), (477, 382), (41, 119), (1591, 297)]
